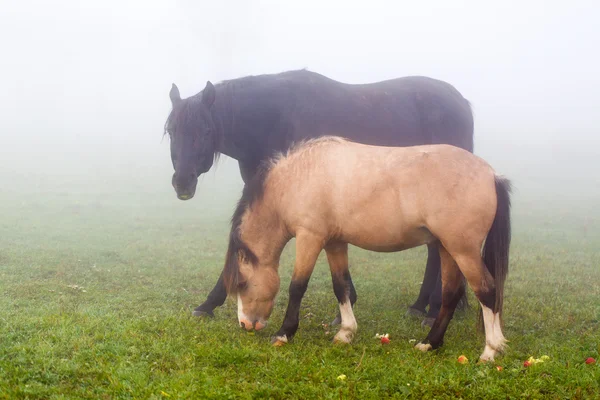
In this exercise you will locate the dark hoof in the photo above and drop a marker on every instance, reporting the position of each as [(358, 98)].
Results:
[(414, 312), (203, 313), (428, 321), (336, 321)]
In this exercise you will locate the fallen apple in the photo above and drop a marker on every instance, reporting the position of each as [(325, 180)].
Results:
[(385, 340), (462, 359), (499, 368), (590, 360), (527, 363)]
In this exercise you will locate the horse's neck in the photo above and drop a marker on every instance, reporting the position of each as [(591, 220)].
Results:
[(265, 232), (245, 127), (222, 118)]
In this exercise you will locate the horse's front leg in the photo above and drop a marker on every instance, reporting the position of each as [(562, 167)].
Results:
[(337, 255), (218, 294), (215, 299), (308, 247), (353, 296)]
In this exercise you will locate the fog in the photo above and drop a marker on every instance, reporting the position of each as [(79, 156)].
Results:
[(84, 85)]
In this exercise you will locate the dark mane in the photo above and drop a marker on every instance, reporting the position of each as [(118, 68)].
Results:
[(253, 191), (224, 112)]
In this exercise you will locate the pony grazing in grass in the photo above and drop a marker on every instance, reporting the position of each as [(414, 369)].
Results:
[(331, 192)]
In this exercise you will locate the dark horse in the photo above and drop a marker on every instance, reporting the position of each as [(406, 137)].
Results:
[(251, 118)]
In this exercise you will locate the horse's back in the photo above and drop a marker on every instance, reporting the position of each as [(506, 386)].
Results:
[(381, 198), (405, 111)]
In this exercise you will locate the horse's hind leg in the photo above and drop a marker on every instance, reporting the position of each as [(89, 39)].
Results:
[(482, 283), (337, 255), (452, 290), (431, 290)]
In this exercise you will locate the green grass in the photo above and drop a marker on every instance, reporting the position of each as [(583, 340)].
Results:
[(97, 288)]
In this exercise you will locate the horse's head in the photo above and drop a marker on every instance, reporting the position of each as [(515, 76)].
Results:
[(256, 285), (256, 297), (193, 138)]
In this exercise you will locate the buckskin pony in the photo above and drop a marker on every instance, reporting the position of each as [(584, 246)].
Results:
[(330, 192)]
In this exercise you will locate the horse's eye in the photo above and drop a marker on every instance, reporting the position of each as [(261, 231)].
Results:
[(242, 286)]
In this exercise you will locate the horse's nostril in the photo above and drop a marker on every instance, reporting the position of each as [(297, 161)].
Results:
[(259, 325), (243, 325)]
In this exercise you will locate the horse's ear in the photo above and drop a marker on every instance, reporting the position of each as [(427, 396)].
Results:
[(208, 95), (174, 95)]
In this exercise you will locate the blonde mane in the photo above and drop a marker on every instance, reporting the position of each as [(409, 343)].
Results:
[(303, 147)]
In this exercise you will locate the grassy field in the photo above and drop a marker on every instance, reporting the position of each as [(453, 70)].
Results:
[(97, 284)]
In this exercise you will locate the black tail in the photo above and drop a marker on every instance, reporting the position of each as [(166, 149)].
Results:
[(497, 243)]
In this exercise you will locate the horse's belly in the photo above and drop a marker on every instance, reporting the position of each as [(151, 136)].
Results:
[(384, 239)]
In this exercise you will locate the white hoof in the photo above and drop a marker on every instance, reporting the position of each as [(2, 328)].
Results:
[(488, 354), (278, 341), (344, 336), (499, 345), (492, 347), (423, 347)]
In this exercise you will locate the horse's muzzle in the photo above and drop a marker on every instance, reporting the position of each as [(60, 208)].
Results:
[(249, 326), (184, 188), (185, 196)]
